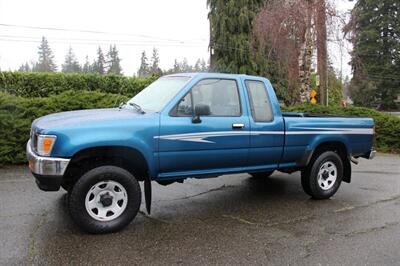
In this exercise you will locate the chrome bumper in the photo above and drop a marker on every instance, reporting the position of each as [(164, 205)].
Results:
[(45, 166)]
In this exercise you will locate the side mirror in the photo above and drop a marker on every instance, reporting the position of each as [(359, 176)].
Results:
[(200, 110)]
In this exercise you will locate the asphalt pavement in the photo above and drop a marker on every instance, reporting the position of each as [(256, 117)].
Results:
[(230, 220)]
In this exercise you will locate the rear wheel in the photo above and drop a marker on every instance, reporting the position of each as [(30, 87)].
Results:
[(105, 199), (323, 175), (262, 174)]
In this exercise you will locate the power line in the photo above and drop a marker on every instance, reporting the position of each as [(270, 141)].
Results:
[(106, 43), (88, 31), (80, 41), (13, 37)]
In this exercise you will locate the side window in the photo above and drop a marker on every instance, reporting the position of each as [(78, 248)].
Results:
[(259, 102), (221, 95)]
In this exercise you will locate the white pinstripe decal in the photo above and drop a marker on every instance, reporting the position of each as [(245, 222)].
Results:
[(201, 136), (368, 131)]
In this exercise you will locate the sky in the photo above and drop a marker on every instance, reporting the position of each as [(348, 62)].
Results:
[(177, 28)]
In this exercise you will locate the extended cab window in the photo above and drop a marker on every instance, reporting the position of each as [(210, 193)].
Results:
[(259, 102), (221, 95)]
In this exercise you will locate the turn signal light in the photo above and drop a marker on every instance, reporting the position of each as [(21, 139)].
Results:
[(45, 144)]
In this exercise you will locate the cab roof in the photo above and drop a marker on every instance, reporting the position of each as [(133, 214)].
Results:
[(213, 75)]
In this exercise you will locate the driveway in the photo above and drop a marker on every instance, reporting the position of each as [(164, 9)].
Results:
[(227, 220)]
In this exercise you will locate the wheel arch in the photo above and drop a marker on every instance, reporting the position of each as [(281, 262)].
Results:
[(337, 146), (128, 158)]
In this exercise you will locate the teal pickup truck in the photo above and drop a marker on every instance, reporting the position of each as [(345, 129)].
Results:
[(187, 126)]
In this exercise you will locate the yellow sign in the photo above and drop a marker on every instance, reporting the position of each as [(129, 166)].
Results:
[(313, 94), (313, 101)]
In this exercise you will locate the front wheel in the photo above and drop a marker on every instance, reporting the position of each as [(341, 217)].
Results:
[(105, 199), (323, 175)]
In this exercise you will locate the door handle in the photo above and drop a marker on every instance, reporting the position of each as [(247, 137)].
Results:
[(237, 125)]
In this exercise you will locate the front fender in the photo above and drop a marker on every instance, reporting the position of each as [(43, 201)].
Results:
[(69, 144)]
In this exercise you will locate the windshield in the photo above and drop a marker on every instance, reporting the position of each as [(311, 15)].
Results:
[(159, 93)]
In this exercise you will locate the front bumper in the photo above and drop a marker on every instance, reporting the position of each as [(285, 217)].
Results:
[(48, 171)]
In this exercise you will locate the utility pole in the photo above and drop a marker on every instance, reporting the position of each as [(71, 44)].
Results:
[(322, 51)]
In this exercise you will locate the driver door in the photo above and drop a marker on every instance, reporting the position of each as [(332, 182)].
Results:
[(219, 140)]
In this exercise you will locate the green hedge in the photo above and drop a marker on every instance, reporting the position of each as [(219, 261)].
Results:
[(31, 84), (387, 126), (17, 114)]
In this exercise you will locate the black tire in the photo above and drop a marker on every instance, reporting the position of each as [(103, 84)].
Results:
[(309, 177), (79, 191), (261, 175)]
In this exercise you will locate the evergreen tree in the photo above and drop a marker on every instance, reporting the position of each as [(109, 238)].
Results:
[(185, 67), (177, 67), (203, 66), (231, 35), (197, 66), (87, 68), (155, 61), (375, 33), (25, 68), (46, 58), (144, 70), (98, 65), (113, 61), (71, 64)]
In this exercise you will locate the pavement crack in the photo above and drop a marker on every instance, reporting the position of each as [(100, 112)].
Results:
[(293, 220), (393, 198), (272, 224), (369, 189), (201, 193), (32, 251), (239, 219), (372, 229), (349, 208)]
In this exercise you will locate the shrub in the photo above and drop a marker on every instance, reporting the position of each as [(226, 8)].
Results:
[(31, 84), (17, 114), (387, 126)]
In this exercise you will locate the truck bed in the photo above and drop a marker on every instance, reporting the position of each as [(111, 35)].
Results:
[(304, 132)]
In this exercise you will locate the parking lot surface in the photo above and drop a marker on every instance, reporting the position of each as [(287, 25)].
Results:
[(235, 220)]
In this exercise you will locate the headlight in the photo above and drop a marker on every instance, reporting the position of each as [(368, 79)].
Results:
[(45, 144)]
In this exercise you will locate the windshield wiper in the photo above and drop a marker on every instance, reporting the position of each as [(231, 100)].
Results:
[(137, 107)]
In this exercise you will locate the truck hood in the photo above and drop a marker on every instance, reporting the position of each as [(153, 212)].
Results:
[(82, 118)]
